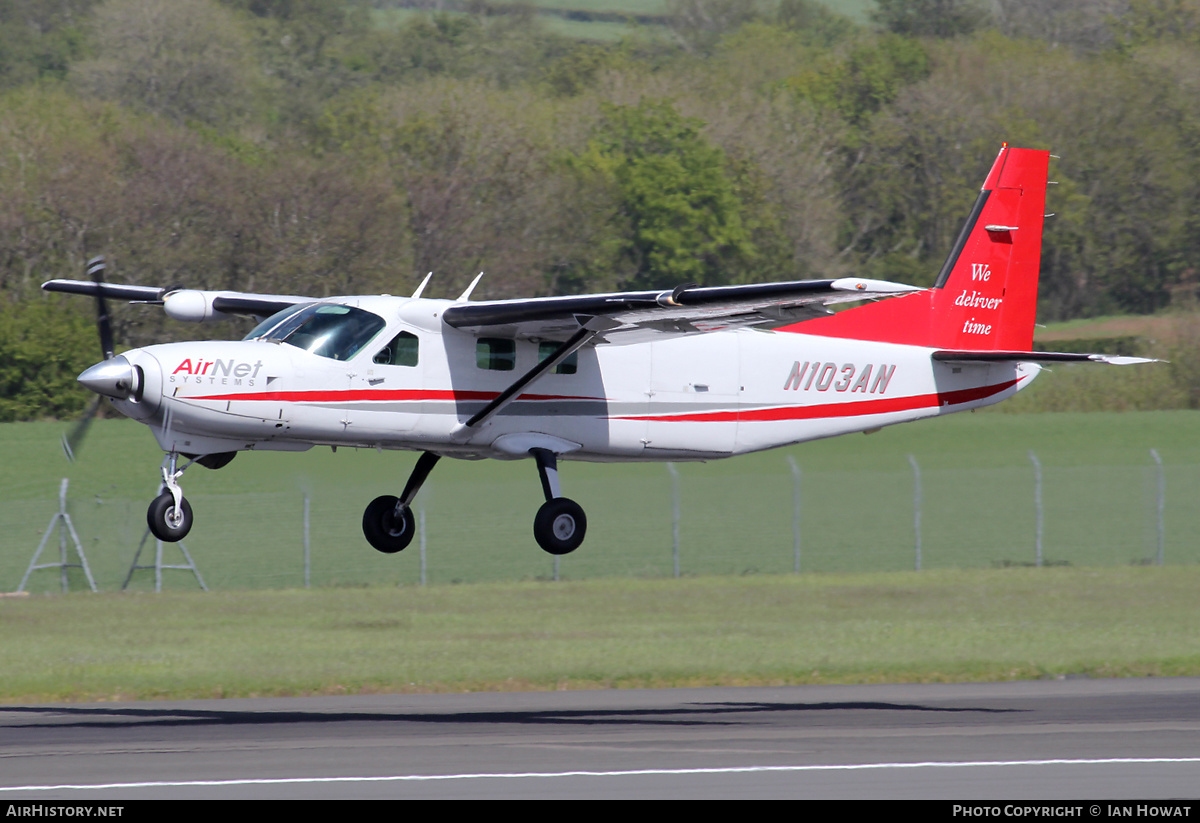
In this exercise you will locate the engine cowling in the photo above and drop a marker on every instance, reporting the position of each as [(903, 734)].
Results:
[(192, 306)]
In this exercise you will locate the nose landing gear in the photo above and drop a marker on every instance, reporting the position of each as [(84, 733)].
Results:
[(169, 521), (170, 515)]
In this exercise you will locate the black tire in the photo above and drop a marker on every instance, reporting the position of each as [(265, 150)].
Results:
[(383, 530), (165, 523), (560, 526)]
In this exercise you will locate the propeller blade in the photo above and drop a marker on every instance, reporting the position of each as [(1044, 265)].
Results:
[(72, 441), (95, 270)]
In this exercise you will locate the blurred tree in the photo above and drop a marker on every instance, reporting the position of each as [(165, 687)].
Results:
[(700, 24), (426, 45), (1156, 21), (575, 71), (866, 78), (44, 344), (816, 22), (676, 194), (930, 18), (188, 60), (1081, 24), (40, 38)]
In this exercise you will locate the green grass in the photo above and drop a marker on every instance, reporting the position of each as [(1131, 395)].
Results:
[(856, 9), (1100, 487), (944, 626), (737, 617), (608, 6), (648, 12), (598, 30)]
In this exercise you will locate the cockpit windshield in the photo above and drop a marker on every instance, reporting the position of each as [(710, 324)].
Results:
[(324, 329)]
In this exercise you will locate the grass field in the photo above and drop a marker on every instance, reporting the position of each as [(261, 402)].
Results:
[(857, 614), (942, 626), (606, 25), (857, 492)]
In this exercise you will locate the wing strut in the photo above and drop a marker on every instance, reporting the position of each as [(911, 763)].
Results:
[(590, 328)]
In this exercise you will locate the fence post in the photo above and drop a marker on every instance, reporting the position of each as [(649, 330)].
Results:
[(795, 514), (674, 517), (1039, 512), (912, 461), (307, 552), (1162, 502), (421, 527)]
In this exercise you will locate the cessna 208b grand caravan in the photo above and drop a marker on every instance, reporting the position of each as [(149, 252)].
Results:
[(687, 374)]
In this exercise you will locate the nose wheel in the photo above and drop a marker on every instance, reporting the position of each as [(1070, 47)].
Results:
[(168, 521), (170, 515)]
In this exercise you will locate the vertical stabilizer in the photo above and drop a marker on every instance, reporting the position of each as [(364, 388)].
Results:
[(985, 297)]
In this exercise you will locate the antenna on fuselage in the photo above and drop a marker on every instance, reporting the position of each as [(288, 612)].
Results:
[(465, 296), (421, 287)]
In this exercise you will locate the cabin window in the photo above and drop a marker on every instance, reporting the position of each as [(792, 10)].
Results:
[(496, 354), (402, 351), (569, 365)]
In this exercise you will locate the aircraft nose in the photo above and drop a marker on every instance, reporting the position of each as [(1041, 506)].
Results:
[(116, 378)]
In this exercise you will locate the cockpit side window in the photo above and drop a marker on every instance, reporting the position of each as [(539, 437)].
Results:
[(404, 350)]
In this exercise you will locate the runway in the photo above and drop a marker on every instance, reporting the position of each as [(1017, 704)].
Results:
[(1078, 740)]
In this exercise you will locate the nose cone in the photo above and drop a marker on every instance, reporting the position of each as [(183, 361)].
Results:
[(116, 378)]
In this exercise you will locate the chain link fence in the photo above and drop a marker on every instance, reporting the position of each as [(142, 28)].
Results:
[(764, 514)]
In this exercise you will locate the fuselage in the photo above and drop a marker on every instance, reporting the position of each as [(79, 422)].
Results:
[(415, 380)]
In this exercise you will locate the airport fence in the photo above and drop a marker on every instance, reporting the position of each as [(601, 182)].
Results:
[(763, 514)]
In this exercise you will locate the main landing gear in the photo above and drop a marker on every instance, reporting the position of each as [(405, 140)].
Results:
[(560, 524), (559, 527), (388, 522)]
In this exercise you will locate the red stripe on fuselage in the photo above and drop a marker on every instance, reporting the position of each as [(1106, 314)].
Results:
[(854, 409), (355, 395), (857, 408)]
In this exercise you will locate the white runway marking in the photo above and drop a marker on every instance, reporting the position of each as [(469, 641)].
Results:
[(623, 773)]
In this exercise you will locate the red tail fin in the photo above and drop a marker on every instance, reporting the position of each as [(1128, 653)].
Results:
[(985, 297)]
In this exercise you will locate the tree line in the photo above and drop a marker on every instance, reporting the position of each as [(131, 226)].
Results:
[(306, 146)]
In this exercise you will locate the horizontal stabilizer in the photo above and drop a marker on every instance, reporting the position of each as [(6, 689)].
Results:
[(983, 357)]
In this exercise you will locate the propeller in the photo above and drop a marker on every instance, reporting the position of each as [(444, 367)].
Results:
[(74, 439), (95, 271)]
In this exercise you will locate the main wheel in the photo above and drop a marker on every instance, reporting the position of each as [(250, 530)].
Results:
[(560, 526), (167, 523), (384, 530)]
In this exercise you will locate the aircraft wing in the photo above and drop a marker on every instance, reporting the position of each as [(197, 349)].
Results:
[(619, 317), (636, 316), (184, 304)]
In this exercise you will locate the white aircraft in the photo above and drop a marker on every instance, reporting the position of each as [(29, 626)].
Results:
[(686, 374)]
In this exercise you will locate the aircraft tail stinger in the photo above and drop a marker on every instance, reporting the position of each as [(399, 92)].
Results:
[(985, 296)]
